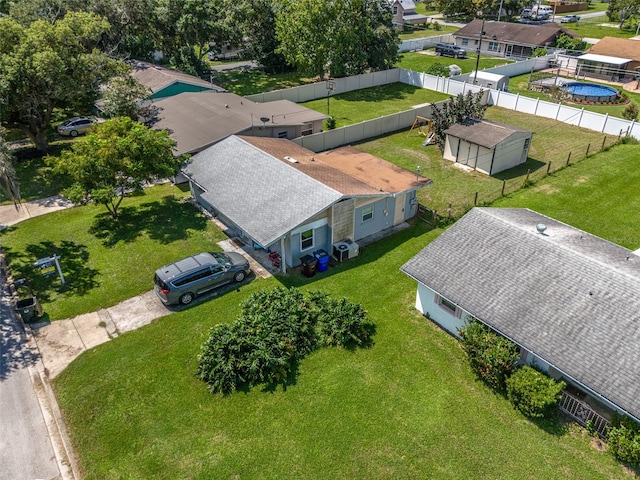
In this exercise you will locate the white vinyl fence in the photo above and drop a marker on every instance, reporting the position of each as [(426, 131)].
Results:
[(417, 44), (598, 122)]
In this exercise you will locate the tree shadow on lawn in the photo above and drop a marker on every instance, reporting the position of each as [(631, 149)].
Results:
[(73, 262), (164, 221)]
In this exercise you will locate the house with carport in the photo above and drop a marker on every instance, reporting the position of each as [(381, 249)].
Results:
[(486, 146), (567, 298), (611, 58), (404, 14), (277, 195)]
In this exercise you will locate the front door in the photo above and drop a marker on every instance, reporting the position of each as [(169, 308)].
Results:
[(508, 51)]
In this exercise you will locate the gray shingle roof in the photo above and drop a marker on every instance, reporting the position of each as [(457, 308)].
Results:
[(482, 132), (262, 195), (515, 33), (568, 296)]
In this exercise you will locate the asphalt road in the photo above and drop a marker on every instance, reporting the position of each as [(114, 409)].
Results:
[(26, 451)]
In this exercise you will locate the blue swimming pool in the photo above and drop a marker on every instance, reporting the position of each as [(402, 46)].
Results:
[(591, 92)]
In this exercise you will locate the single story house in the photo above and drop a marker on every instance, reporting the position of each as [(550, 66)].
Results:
[(567, 298), (198, 120), (278, 195), (404, 13), (486, 146), (612, 56), (166, 82), (502, 39)]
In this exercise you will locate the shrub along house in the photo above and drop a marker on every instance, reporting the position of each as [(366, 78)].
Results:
[(486, 146), (567, 298), (278, 195)]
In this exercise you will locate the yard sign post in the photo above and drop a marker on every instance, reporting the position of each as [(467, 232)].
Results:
[(49, 265)]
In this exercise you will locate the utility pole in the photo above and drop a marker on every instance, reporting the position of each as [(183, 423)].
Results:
[(500, 10), (475, 75)]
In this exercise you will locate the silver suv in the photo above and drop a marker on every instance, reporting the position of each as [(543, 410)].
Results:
[(182, 281)]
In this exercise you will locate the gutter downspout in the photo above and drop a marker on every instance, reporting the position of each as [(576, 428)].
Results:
[(283, 264)]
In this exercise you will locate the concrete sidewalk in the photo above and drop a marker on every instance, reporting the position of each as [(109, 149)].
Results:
[(10, 216)]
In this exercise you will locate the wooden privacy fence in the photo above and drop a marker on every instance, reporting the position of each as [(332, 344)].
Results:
[(583, 414)]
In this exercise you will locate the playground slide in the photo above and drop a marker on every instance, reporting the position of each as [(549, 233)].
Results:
[(428, 140)]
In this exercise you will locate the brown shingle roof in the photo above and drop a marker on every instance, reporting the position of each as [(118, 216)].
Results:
[(157, 77), (515, 33), (346, 169), (617, 47), (485, 133)]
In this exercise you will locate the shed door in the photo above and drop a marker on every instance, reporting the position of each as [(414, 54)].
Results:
[(398, 217)]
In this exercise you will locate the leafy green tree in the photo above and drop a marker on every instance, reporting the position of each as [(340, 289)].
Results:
[(26, 12), (117, 156), (438, 69), (258, 24), (492, 357), (337, 37), (46, 66), (122, 97), (621, 10), (455, 7), (8, 179), (457, 109), (540, 52), (623, 439), (570, 43)]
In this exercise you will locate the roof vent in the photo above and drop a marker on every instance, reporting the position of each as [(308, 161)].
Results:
[(290, 159), (541, 227)]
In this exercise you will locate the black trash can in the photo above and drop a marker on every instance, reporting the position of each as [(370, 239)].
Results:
[(29, 309), (309, 265)]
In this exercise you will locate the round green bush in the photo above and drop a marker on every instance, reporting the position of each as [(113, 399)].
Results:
[(533, 393)]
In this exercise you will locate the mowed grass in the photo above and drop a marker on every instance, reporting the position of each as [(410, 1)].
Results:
[(551, 142), (406, 408), (369, 103), (105, 261), (420, 62)]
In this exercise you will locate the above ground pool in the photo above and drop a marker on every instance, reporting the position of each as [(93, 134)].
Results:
[(591, 92)]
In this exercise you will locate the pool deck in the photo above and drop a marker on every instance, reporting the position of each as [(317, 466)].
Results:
[(568, 75)]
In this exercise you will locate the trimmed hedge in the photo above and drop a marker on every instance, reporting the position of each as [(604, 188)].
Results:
[(623, 439)]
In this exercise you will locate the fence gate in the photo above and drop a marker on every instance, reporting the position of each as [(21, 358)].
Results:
[(427, 215)]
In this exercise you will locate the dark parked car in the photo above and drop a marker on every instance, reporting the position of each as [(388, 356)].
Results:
[(76, 125), (450, 50), (182, 281)]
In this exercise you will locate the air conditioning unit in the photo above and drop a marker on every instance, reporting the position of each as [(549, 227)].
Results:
[(345, 249)]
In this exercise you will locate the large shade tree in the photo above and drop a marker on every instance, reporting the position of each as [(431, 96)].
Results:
[(115, 158), (337, 37), (8, 179), (45, 66)]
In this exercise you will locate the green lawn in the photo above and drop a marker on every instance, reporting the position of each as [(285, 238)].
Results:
[(429, 31), (366, 104), (406, 408), (104, 261), (551, 142), (600, 27), (420, 62)]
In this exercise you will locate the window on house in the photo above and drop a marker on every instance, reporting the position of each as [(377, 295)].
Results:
[(465, 41), (493, 46), (307, 129), (282, 134), (475, 42), (450, 307), (526, 144), (367, 213), (395, 9), (306, 239)]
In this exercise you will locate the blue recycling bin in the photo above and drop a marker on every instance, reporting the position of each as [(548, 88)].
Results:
[(323, 260)]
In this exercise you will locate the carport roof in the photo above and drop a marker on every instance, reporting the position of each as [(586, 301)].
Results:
[(594, 57)]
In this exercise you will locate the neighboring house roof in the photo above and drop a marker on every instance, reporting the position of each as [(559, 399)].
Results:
[(485, 133), (257, 184), (515, 33), (617, 47), (568, 296), (157, 77), (198, 120), (406, 5)]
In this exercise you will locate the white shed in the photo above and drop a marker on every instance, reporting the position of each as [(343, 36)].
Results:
[(489, 80), (486, 146)]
